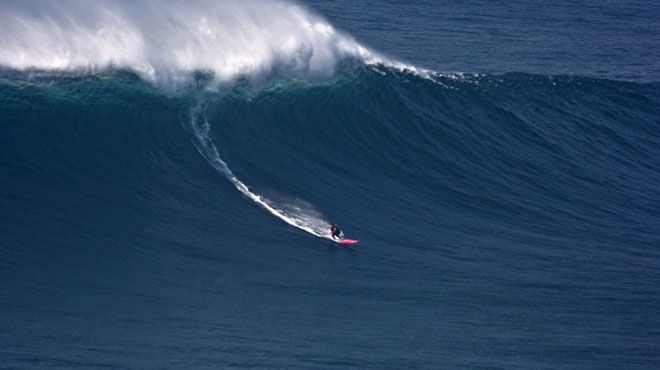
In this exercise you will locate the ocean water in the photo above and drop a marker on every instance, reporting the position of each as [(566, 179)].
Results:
[(168, 171)]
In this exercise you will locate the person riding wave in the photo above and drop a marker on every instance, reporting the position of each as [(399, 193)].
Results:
[(335, 231)]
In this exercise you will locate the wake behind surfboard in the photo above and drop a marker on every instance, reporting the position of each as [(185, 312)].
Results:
[(302, 219)]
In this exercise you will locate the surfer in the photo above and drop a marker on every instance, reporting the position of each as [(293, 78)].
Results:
[(335, 231)]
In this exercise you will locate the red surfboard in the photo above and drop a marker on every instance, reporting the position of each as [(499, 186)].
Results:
[(346, 241)]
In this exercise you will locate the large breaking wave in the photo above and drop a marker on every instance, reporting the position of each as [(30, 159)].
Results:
[(173, 43), (303, 111)]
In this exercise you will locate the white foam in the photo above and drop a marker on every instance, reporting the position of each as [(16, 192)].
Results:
[(167, 42)]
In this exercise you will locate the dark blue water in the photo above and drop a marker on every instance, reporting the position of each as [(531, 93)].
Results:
[(507, 217), (602, 39)]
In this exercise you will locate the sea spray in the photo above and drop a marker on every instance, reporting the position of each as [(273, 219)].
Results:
[(170, 43)]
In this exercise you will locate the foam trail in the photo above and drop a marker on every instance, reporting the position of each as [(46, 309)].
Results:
[(307, 220)]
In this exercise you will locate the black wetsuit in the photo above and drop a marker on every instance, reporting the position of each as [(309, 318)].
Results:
[(335, 231)]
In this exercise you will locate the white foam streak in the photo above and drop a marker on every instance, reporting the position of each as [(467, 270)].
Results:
[(304, 219), (166, 42)]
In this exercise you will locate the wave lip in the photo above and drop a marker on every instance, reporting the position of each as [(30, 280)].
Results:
[(168, 42)]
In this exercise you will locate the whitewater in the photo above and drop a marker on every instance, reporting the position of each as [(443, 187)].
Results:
[(172, 43)]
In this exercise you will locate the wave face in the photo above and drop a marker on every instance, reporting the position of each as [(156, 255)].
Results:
[(504, 220), (443, 183)]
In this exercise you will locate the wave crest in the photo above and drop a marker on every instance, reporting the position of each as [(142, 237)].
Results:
[(167, 43)]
